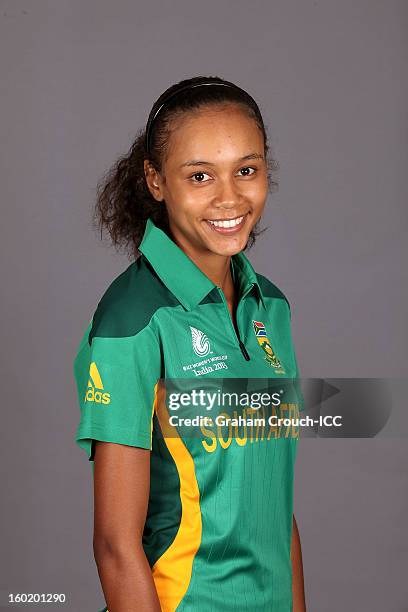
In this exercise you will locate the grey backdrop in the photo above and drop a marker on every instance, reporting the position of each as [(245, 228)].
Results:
[(78, 79)]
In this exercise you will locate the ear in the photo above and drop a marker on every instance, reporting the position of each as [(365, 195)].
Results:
[(153, 180)]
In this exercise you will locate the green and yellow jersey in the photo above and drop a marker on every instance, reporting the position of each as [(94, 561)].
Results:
[(219, 521)]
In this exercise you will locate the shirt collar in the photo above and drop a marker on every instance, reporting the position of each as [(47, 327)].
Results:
[(181, 275)]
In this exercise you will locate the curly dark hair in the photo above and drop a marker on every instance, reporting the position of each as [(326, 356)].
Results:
[(124, 202)]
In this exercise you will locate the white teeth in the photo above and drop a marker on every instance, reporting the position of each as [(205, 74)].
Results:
[(228, 223)]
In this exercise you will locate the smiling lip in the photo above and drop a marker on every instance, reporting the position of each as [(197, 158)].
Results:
[(227, 226)]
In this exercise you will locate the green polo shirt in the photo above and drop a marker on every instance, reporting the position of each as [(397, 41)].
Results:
[(219, 521)]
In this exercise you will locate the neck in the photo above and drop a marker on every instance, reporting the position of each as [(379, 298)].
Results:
[(216, 267)]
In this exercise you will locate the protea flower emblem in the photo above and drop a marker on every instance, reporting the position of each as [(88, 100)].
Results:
[(201, 344), (263, 341)]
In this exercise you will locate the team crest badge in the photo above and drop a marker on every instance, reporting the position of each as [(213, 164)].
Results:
[(263, 341)]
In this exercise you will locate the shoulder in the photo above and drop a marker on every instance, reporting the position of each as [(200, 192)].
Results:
[(270, 290), (130, 301)]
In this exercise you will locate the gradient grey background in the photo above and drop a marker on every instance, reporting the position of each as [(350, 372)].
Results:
[(78, 79)]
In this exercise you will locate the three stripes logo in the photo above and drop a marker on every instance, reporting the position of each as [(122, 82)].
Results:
[(95, 391), (263, 341)]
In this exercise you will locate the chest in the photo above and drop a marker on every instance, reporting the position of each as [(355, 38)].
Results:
[(205, 342)]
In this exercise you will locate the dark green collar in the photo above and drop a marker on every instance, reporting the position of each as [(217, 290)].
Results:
[(181, 275)]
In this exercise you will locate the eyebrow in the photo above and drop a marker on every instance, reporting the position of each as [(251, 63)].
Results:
[(199, 162)]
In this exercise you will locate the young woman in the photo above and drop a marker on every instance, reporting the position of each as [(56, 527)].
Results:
[(201, 522)]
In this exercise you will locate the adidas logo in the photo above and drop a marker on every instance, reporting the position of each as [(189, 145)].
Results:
[(95, 392)]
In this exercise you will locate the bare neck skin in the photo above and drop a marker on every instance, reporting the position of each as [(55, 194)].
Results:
[(220, 275), (218, 269)]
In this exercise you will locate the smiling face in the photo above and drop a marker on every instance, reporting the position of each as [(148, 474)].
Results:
[(214, 180)]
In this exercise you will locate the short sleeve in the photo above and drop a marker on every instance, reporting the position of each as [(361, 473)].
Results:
[(116, 384)]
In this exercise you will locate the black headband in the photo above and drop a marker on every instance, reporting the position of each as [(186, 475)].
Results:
[(154, 112)]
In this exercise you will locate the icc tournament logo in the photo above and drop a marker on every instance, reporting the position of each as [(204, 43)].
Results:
[(260, 333), (201, 344)]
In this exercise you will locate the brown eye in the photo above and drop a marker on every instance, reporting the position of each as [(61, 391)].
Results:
[(247, 171), (198, 177)]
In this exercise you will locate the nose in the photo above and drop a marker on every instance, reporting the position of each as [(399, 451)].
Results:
[(227, 194)]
